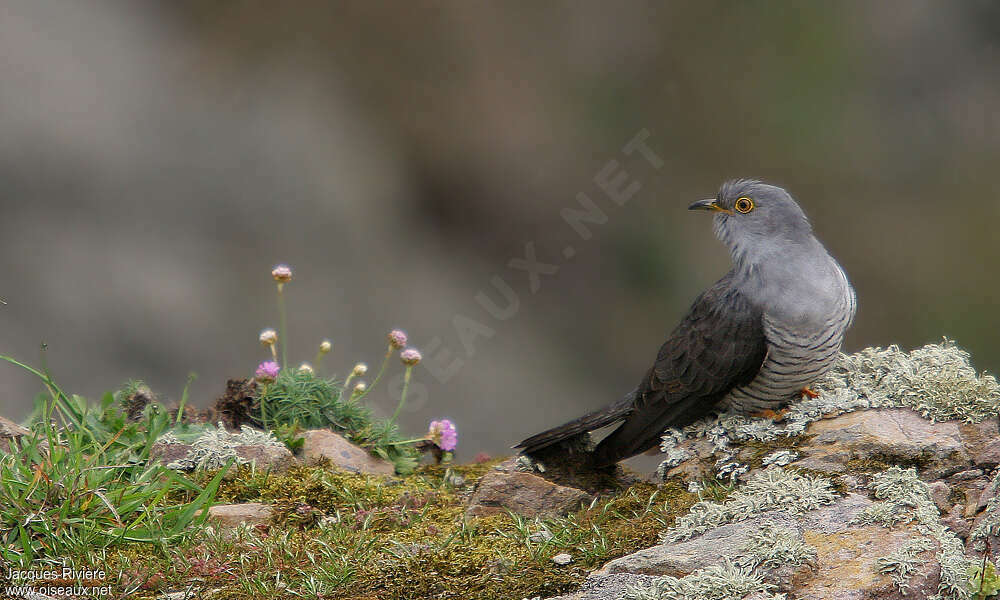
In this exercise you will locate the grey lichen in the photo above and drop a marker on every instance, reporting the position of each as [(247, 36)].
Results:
[(775, 547), (772, 489), (214, 448), (936, 380), (904, 497), (717, 582), (901, 564), (780, 458)]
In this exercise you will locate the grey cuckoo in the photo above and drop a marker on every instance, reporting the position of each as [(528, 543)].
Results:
[(752, 342)]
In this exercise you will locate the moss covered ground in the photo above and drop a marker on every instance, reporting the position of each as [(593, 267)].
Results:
[(342, 535)]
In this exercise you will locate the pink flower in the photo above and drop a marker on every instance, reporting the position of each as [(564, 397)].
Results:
[(443, 434), (397, 338), (267, 371), (282, 273), (410, 356)]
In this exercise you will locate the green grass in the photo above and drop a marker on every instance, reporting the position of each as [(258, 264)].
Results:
[(81, 481)]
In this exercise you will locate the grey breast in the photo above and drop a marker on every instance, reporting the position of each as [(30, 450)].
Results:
[(798, 354)]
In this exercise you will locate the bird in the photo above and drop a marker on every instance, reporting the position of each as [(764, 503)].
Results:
[(752, 343)]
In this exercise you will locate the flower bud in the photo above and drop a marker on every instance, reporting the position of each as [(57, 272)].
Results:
[(397, 338), (268, 337), (410, 356), (282, 273), (359, 369)]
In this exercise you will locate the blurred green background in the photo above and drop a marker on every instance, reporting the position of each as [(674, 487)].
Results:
[(157, 159)]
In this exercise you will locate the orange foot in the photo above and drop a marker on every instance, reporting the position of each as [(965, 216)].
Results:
[(775, 415), (810, 392)]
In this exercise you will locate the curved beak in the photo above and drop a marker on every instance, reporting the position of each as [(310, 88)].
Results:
[(709, 204)]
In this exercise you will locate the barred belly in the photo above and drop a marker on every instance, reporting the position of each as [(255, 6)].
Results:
[(794, 360)]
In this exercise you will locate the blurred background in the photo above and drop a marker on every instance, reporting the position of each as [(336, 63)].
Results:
[(157, 159)]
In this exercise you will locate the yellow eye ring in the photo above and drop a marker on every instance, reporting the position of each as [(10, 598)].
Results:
[(743, 204)]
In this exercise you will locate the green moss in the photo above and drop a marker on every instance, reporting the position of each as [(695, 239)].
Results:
[(406, 538)]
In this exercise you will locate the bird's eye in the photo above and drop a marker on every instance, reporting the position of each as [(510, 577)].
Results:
[(743, 204)]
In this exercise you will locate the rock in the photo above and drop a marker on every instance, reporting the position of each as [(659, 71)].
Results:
[(275, 458), (895, 436), (540, 537), (989, 492), (272, 457), (845, 567), (231, 515), (988, 456), (562, 559), (167, 452), (955, 521), (608, 587), (982, 442), (9, 429), (681, 558), (966, 475), (320, 444), (505, 488), (940, 492)]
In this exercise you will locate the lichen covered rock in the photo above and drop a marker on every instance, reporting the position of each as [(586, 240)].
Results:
[(885, 486)]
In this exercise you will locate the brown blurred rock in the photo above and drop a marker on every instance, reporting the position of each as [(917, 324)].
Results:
[(323, 444), (275, 458), (9, 430), (166, 453), (506, 488)]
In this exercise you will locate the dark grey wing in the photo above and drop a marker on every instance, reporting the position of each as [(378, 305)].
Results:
[(719, 345)]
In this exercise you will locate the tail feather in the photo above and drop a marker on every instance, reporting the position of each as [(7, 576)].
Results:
[(636, 436), (588, 422)]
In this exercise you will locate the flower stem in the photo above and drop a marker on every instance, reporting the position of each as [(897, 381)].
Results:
[(385, 361), (402, 397), (282, 337), (413, 441)]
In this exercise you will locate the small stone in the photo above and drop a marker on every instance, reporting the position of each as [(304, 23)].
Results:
[(231, 515), (319, 444), (562, 559), (540, 537), (939, 494)]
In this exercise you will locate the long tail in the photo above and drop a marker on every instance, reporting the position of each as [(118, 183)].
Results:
[(588, 422)]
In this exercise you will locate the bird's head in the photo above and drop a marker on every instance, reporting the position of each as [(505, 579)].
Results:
[(754, 217)]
